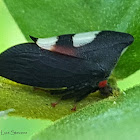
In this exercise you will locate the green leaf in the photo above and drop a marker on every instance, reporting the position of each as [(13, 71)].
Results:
[(113, 118), (10, 34), (16, 125), (36, 104), (24, 99), (45, 18)]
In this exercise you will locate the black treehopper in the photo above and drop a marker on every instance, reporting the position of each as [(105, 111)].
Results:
[(80, 62)]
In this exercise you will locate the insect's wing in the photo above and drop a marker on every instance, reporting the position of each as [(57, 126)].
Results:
[(64, 60), (106, 48), (100, 47), (28, 64), (82, 45)]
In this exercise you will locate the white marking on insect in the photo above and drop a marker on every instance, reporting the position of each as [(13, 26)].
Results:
[(84, 38), (47, 43), (5, 112), (124, 50)]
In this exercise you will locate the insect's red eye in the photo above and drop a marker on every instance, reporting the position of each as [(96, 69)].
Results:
[(102, 84)]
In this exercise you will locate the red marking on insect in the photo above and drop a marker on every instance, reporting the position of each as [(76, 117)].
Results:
[(102, 84), (54, 104), (64, 50)]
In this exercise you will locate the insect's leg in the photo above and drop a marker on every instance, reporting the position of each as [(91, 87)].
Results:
[(58, 92), (85, 92), (74, 108), (40, 89), (68, 95), (74, 94), (55, 103), (79, 98), (66, 92), (79, 94)]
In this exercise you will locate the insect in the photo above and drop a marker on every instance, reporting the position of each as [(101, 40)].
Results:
[(80, 62)]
